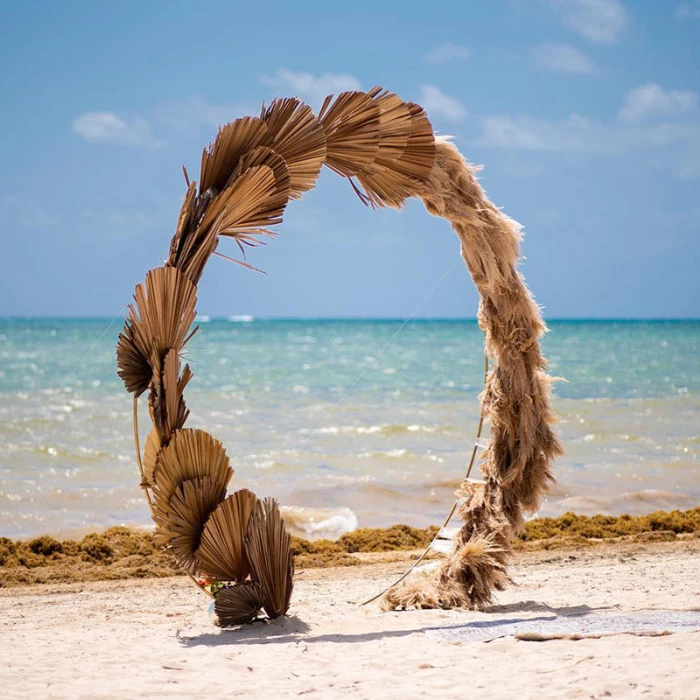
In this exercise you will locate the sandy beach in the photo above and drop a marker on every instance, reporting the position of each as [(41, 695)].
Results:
[(153, 637)]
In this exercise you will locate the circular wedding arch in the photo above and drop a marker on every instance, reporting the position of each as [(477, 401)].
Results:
[(387, 150)]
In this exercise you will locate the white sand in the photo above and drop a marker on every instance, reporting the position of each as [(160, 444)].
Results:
[(153, 638)]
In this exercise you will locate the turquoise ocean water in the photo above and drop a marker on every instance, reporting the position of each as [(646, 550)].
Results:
[(340, 440)]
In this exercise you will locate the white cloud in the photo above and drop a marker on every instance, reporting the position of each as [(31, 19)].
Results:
[(664, 124), (562, 58), (601, 21), (447, 52), (107, 127), (651, 101), (437, 103), (313, 88), (193, 112), (577, 133), (688, 10), (532, 134), (24, 213)]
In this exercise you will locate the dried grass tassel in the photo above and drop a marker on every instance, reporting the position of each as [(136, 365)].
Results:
[(517, 463)]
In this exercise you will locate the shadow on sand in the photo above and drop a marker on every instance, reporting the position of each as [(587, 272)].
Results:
[(293, 630)]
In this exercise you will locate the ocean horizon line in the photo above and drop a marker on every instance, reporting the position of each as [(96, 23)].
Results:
[(250, 318)]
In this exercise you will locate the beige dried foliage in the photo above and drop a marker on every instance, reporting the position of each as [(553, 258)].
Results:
[(419, 157), (159, 321), (221, 554), (517, 464), (352, 127), (268, 546), (150, 456), (234, 140), (180, 519), (406, 152), (191, 453), (238, 605), (248, 207), (174, 385), (248, 173), (166, 400), (182, 241), (299, 138)]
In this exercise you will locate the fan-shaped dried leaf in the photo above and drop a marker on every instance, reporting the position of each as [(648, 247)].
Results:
[(133, 367), (180, 520), (173, 385), (352, 130), (395, 124), (185, 223), (299, 138), (160, 320), (262, 155), (248, 206), (386, 181), (268, 546), (419, 157), (150, 456), (192, 245), (221, 158), (238, 605), (221, 554), (190, 454)]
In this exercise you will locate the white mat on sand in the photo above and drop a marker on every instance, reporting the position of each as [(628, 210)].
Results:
[(542, 627)]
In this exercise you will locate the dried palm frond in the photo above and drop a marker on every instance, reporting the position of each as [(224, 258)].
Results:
[(248, 206), (221, 554), (299, 138), (198, 246), (185, 223), (174, 385), (389, 180), (268, 546), (160, 320), (419, 156), (165, 400), (190, 454), (351, 122), (180, 519), (150, 456), (133, 366), (238, 605), (262, 155), (221, 157)]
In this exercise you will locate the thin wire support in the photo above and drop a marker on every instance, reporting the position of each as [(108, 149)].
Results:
[(454, 505)]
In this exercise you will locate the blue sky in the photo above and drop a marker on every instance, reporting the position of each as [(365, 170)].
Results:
[(585, 114)]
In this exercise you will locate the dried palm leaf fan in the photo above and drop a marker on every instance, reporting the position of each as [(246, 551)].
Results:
[(248, 174)]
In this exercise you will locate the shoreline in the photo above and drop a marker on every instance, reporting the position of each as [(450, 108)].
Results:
[(120, 553)]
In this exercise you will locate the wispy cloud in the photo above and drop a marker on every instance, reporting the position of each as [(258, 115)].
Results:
[(447, 52), (194, 112), (535, 134), (438, 104), (562, 58), (107, 127), (649, 118), (602, 21), (313, 88), (651, 101), (688, 10), (25, 214), (579, 133)]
